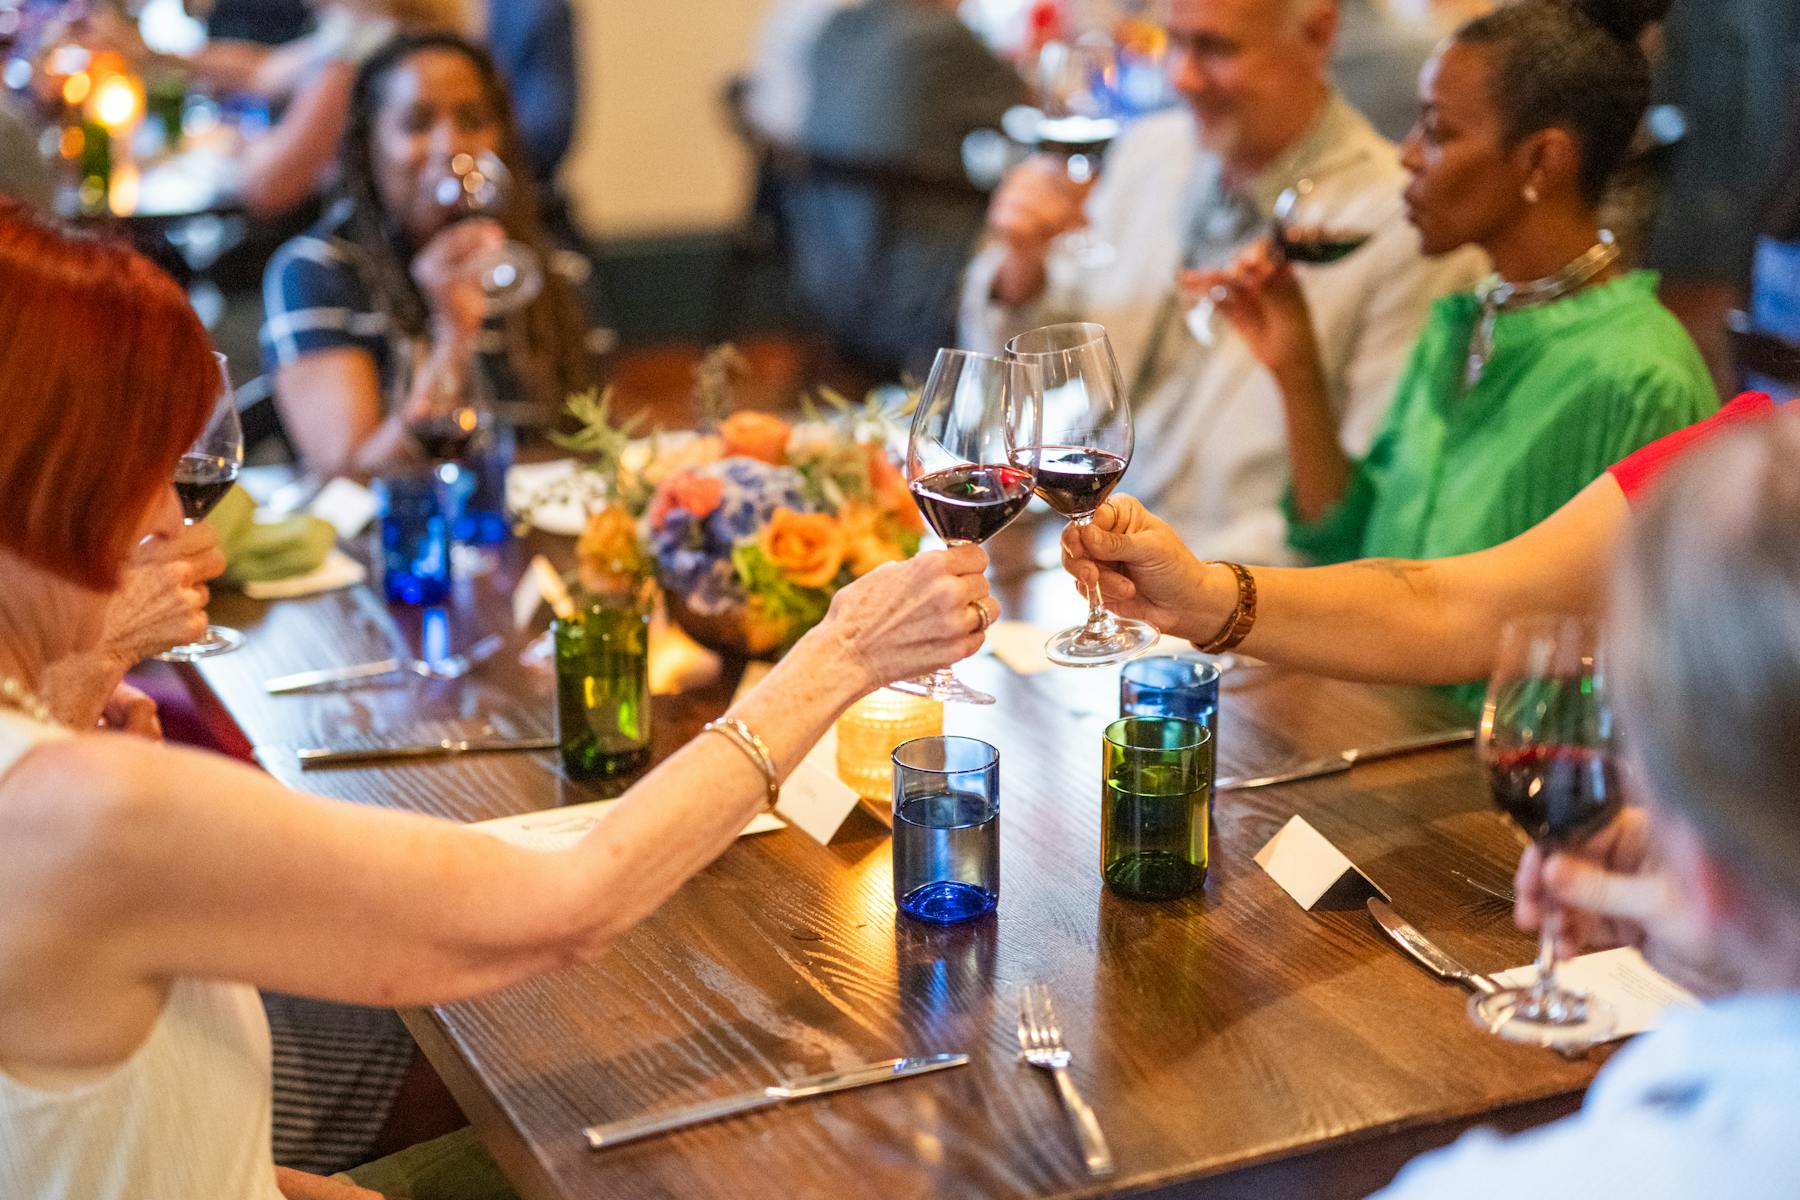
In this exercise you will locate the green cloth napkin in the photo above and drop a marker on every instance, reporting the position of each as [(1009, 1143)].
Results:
[(259, 551)]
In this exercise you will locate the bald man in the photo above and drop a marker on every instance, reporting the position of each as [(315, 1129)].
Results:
[(1195, 185)]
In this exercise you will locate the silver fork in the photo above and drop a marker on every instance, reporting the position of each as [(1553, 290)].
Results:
[(1041, 1045)]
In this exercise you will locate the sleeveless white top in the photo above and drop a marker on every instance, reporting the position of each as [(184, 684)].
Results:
[(186, 1117)]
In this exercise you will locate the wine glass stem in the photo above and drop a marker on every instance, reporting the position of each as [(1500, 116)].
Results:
[(1099, 620), (1545, 984)]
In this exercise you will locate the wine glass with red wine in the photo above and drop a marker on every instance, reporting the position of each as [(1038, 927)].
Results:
[(202, 477), (1085, 448), (969, 463), (1547, 745)]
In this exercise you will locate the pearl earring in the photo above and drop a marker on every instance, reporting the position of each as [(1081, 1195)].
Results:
[(1531, 193)]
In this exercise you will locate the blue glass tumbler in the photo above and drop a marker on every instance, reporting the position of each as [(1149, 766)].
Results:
[(1173, 685), (946, 829), (414, 530)]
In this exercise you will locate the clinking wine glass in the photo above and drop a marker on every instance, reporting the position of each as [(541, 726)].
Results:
[(1548, 748), (479, 185), (1302, 229), (1086, 446), (970, 463), (202, 477)]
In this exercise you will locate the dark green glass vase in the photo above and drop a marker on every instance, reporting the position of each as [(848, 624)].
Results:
[(603, 686)]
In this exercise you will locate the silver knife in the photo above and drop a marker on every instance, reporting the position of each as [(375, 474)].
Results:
[(1424, 950), (615, 1133), (319, 756), (302, 681), (1342, 761)]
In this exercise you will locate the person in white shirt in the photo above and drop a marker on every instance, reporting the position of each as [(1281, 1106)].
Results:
[(1704, 629), (1192, 187)]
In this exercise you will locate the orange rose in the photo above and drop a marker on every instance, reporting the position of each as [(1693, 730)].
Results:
[(890, 489), (756, 435), (866, 543), (808, 547)]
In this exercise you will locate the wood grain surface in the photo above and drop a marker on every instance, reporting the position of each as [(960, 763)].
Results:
[(1231, 1043)]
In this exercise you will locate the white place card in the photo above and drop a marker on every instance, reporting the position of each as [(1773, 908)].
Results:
[(557, 829), (1311, 870), (814, 800), (1637, 992), (345, 505)]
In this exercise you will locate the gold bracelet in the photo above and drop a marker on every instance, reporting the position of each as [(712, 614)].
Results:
[(1243, 616), (754, 748)]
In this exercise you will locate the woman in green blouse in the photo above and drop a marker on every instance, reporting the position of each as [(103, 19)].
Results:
[(1520, 395)]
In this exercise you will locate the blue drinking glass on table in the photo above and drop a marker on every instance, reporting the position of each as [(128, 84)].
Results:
[(1172, 685), (414, 532), (946, 828)]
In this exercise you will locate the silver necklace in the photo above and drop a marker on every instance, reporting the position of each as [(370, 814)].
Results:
[(1497, 296), (14, 694)]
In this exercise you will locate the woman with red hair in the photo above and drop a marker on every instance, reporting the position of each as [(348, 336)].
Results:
[(150, 890)]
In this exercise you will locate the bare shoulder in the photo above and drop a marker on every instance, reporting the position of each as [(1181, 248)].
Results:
[(72, 804)]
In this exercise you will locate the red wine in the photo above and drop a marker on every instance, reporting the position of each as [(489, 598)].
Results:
[(972, 504), (1075, 480), (1319, 247), (1556, 794), (445, 438), (201, 481)]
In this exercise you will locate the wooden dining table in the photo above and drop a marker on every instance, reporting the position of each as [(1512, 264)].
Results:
[(1231, 1043)]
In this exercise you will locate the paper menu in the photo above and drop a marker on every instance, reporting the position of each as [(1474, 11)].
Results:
[(1637, 992), (558, 829)]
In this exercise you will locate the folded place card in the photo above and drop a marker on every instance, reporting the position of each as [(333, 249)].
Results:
[(556, 829), (1637, 992), (1313, 871), (814, 800)]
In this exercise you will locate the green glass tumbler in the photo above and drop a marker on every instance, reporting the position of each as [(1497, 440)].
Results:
[(1156, 791), (603, 686)]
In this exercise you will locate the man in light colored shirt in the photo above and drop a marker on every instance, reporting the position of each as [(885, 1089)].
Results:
[(1194, 186), (1704, 634), (781, 70)]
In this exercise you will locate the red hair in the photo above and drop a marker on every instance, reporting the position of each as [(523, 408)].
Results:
[(106, 377)]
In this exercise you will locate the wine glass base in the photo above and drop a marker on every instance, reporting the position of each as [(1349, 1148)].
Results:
[(1079, 647), (1558, 1021), (947, 688), (218, 640)]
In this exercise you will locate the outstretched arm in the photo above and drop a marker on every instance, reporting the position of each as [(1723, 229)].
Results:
[(1377, 619)]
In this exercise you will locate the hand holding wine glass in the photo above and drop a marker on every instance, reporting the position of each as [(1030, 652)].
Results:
[(1547, 744), (1085, 446), (202, 477), (969, 463)]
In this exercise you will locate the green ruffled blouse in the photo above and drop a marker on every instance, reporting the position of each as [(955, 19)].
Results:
[(1571, 387)]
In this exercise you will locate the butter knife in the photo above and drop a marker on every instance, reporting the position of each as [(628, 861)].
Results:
[(1424, 950), (615, 1133), (1336, 764), (323, 756)]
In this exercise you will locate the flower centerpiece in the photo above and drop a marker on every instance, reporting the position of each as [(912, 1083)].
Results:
[(752, 528)]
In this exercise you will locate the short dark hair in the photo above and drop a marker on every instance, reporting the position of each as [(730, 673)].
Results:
[(1707, 648), (1574, 65)]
